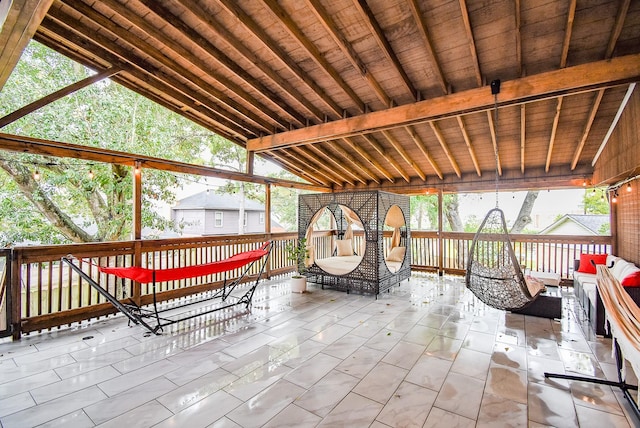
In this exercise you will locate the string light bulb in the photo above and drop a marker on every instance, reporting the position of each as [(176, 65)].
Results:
[(90, 175), (584, 183), (36, 175), (614, 199), (628, 187)]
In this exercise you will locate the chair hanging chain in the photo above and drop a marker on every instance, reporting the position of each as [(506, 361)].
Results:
[(495, 149)]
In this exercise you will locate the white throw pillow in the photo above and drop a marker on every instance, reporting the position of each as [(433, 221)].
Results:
[(396, 254), (344, 247)]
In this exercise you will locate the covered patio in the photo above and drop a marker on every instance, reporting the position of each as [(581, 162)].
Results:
[(400, 96)]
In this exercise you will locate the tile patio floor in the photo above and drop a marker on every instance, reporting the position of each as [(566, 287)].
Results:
[(427, 354)]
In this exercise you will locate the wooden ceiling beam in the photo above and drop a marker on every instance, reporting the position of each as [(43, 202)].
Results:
[(386, 156), (307, 159), (51, 30), (467, 141), (554, 130), (358, 165), (445, 147), (494, 141), (523, 130), (332, 29), (366, 156), (279, 13), (472, 44), (252, 26), (220, 57), (220, 31), (21, 23), (569, 80), (335, 161), (108, 44), (587, 127), (385, 46), (423, 148), (403, 153), (424, 34), (17, 143), (35, 105)]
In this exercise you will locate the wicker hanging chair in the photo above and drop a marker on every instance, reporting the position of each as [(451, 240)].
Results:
[(494, 274)]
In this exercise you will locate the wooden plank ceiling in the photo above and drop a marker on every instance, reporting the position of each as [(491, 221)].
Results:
[(389, 94)]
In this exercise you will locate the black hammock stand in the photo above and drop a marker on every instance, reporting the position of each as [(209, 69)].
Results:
[(139, 315)]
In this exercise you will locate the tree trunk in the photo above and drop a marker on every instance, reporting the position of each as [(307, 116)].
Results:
[(453, 216), (524, 216), (31, 190)]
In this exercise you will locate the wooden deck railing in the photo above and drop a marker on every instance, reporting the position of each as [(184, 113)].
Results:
[(45, 293)]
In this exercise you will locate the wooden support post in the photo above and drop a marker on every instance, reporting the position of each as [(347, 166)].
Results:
[(440, 239), (136, 229), (250, 158), (613, 226), (267, 222), (16, 296)]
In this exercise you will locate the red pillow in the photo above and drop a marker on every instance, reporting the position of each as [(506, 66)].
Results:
[(632, 280), (585, 262)]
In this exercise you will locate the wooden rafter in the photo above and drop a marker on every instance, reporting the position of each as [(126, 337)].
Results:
[(467, 141), (17, 143), (322, 153), (523, 129), (587, 127), (472, 43), (21, 23), (348, 51), (617, 28), (423, 148), (445, 147), (366, 156), (384, 44), (403, 153), (518, 17), (220, 31), (278, 12), (321, 169), (31, 107), (554, 130), (389, 159), (142, 71), (494, 140), (335, 147), (220, 57), (282, 158), (252, 26), (424, 34), (107, 43), (569, 80), (567, 33)]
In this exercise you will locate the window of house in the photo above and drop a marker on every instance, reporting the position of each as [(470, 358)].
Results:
[(261, 218), (218, 219)]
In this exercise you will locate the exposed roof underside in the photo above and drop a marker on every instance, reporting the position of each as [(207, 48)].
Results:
[(390, 94)]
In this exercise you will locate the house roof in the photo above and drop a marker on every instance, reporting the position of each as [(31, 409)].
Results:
[(216, 201), (592, 223), (389, 94)]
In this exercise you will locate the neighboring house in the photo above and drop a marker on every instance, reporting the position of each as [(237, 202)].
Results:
[(210, 213), (578, 224)]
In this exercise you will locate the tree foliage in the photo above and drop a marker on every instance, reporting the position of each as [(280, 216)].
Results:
[(70, 206), (594, 202)]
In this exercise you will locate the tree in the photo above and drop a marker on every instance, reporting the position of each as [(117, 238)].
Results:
[(104, 114), (427, 205), (524, 216), (594, 202)]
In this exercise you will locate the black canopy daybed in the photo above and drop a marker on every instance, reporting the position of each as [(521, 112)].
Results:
[(356, 256)]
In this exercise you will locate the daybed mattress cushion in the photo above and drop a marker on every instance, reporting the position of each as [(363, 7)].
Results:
[(339, 265)]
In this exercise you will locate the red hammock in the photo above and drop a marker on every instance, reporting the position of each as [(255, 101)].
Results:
[(144, 275)]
